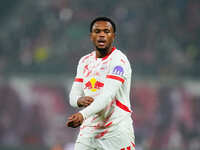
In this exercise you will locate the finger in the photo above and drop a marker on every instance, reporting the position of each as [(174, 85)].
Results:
[(89, 98), (77, 121), (76, 124), (85, 105), (88, 102), (73, 124), (70, 123), (75, 118), (70, 118)]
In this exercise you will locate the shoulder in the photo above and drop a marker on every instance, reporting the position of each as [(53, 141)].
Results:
[(120, 60), (84, 58), (120, 63), (120, 57)]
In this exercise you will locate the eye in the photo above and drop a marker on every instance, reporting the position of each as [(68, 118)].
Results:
[(106, 31), (96, 31)]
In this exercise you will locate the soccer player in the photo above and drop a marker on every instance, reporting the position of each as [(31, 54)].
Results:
[(102, 88)]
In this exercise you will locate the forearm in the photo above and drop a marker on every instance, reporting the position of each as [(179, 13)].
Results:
[(102, 101)]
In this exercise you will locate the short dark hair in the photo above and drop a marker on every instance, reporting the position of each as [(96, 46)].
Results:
[(103, 19)]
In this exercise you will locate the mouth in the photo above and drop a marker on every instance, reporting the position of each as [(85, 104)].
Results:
[(101, 42)]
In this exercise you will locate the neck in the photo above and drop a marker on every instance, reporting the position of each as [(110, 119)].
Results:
[(100, 53)]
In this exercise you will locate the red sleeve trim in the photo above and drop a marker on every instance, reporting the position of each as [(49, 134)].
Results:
[(78, 80), (122, 106), (133, 144), (115, 78)]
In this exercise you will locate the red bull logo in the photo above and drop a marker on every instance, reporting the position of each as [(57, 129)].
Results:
[(93, 85)]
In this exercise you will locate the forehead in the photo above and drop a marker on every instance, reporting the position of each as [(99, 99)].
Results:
[(102, 24)]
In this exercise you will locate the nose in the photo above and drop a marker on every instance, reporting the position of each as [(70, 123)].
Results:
[(102, 34)]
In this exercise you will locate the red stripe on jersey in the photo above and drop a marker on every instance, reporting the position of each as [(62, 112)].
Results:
[(128, 148), (115, 78), (122, 149), (107, 125), (133, 144), (101, 134), (78, 80), (122, 106)]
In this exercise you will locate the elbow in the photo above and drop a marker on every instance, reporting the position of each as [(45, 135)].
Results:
[(73, 101)]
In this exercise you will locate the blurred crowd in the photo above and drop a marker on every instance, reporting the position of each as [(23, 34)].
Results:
[(166, 117), (49, 36), (33, 115)]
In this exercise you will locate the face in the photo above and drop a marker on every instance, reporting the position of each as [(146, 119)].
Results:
[(102, 35)]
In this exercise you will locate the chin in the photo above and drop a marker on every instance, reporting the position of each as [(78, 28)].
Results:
[(103, 49)]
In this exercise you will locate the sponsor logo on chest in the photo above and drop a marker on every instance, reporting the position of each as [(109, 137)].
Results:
[(93, 85)]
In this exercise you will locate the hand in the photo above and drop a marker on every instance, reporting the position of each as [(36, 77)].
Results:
[(84, 101), (75, 120)]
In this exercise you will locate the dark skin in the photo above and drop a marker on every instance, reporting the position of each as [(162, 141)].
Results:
[(85, 101), (102, 36)]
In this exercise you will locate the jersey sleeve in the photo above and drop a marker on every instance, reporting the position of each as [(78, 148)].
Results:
[(115, 78), (77, 90)]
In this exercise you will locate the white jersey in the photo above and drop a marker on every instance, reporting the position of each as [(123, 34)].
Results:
[(108, 81)]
